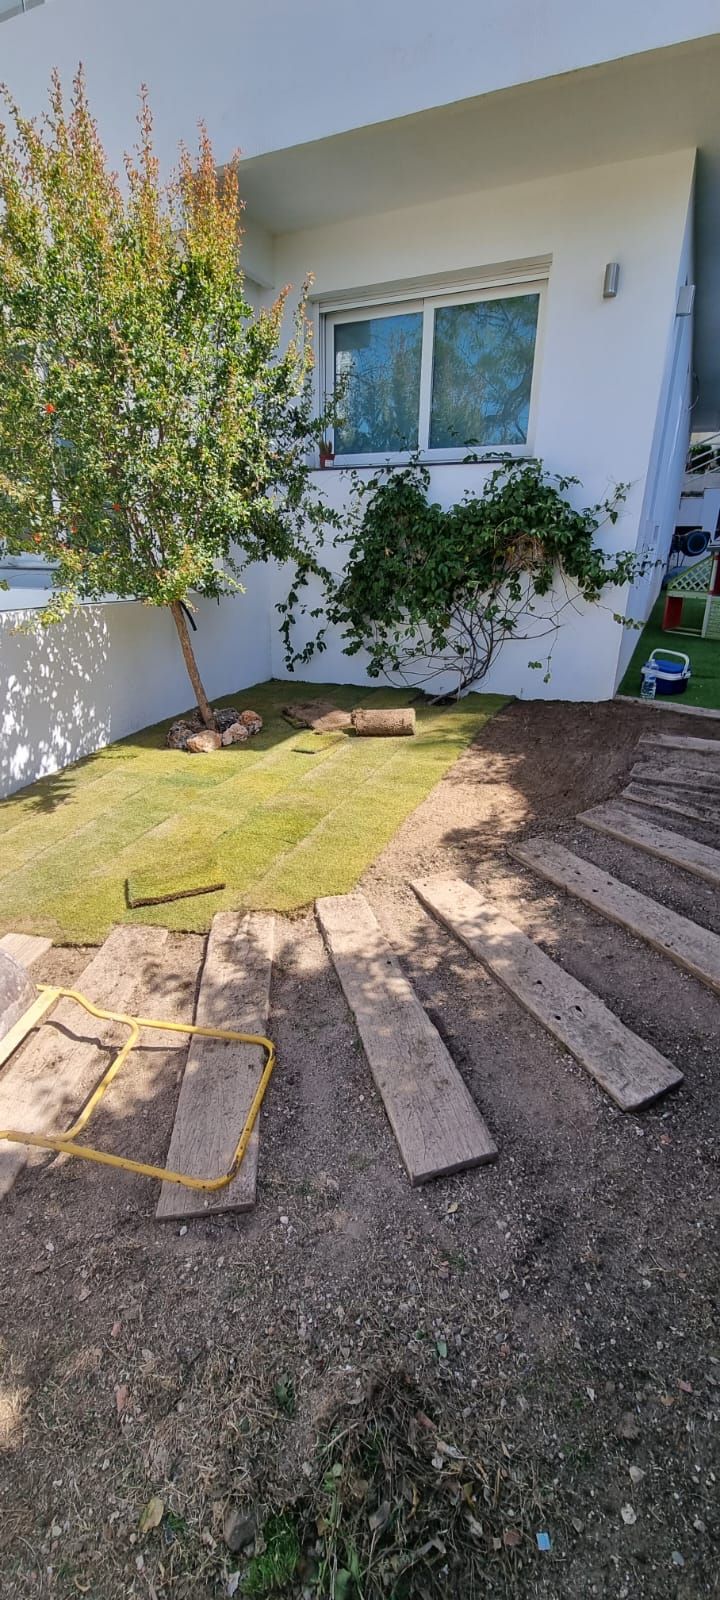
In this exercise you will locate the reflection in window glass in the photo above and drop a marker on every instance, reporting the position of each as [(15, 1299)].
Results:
[(12, 8), (482, 372), (377, 365)]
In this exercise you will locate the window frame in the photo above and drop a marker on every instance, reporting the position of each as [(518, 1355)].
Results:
[(18, 8), (427, 303)]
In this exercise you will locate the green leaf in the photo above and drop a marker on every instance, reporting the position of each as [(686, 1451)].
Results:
[(154, 431)]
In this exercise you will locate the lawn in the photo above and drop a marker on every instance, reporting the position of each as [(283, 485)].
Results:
[(281, 819), (704, 686)]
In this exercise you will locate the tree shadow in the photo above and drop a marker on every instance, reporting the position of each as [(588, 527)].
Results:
[(52, 711)]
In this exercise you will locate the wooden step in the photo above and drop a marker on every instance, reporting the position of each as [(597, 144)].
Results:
[(25, 947), (671, 800), (678, 775), (46, 1082), (693, 948), (684, 742), (221, 1077), (433, 1117), (621, 823), (630, 1070)]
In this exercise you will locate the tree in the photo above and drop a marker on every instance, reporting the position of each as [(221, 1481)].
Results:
[(154, 431), (433, 594)]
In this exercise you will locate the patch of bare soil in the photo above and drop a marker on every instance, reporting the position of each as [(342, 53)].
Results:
[(363, 1389)]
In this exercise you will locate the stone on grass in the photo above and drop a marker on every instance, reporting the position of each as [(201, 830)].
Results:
[(235, 733), (203, 743), (225, 716), (179, 734), (184, 733), (239, 1528)]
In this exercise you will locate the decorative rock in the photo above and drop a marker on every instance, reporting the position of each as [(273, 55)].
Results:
[(239, 1528), (235, 733), (203, 743), (179, 734), (228, 720), (225, 716)]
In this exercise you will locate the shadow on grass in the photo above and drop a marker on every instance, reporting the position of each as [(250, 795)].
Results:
[(279, 819)]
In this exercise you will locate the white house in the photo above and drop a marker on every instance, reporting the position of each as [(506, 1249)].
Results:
[(531, 170)]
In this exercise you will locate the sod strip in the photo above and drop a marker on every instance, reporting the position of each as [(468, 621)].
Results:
[(622, 824), (25, 947), (668, 800), (221, 1077), (48, 1079), (627, 1067), (433, 1117), (678, 775), (693, 948), (684, 742)]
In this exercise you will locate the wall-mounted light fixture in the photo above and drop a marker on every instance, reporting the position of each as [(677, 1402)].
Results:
[(685, 300), (611, 280)]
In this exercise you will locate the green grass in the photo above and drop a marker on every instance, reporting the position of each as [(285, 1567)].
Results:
[(704, 686), (270, 1573), (281, 819)]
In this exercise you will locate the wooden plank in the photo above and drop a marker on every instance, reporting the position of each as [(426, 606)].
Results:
[(433, 1117), (620, 823), (670, 800), (678, 774), (684, 743), (221, 1078), (693, 948), (631, 1071), (45, 1084), (666, 704), (25, 947)]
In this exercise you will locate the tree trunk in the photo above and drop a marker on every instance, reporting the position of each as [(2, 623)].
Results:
[(203, 704)]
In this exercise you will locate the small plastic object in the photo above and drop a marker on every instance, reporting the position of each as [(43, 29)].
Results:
[(542, 1541), (648, 687), (670, 670)]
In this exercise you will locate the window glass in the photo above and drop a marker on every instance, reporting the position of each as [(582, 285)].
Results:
[(482, 372), (11, 8), (377, 367)]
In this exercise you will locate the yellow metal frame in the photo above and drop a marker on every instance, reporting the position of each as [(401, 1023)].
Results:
[(66, 1144)]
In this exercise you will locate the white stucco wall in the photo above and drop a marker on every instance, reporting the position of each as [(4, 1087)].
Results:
[(603, 380), (660, 509), (272, 73), (602, 362), (71, 688)]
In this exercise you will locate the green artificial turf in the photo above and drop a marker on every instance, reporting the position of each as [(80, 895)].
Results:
[(283, 818), (704, 686)]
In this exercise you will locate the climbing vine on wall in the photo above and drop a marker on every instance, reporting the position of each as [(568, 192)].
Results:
[(431, 594)]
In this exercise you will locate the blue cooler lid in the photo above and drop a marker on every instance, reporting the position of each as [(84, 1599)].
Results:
[(677, 668)]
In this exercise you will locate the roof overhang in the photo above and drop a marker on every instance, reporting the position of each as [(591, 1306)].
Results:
[(638, 106)]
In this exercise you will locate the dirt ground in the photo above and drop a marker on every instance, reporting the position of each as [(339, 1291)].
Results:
[(394, 1390)]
